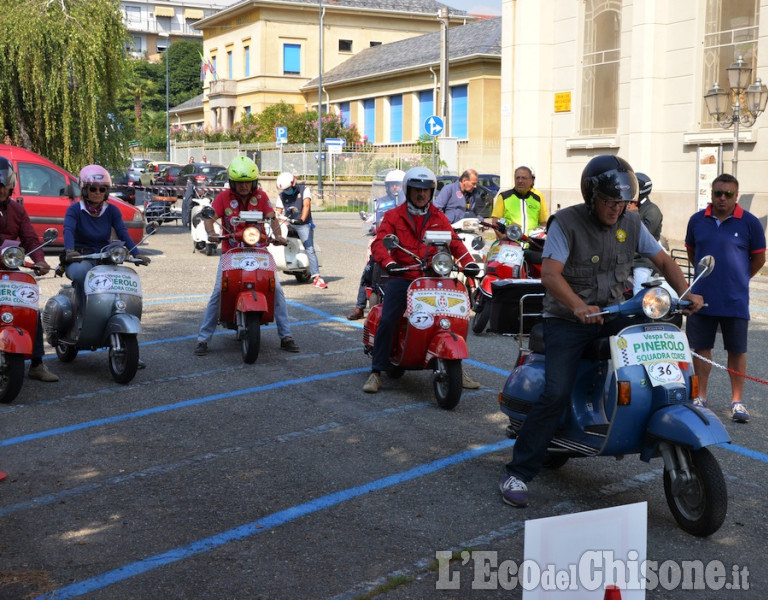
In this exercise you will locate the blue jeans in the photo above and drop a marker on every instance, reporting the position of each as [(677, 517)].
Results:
[(392, 309), (565, 342), (307, 237), (211, 316)]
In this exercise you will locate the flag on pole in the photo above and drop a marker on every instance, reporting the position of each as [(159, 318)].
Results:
[(206, 67)]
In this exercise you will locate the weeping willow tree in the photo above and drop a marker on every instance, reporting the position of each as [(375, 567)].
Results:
[(62, 69)]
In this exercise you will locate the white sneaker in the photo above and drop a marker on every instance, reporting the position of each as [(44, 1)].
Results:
[(739, 412), (372, 384)]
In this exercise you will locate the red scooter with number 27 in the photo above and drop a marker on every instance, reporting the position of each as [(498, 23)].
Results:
[(432, 332)]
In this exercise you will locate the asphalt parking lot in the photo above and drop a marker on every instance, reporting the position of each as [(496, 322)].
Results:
[(208, 478)]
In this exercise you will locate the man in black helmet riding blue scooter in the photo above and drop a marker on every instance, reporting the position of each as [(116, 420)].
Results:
[(587, 259)]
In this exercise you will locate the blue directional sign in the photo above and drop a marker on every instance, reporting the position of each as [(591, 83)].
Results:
[(433, 125), (335, 141), (281, 135)]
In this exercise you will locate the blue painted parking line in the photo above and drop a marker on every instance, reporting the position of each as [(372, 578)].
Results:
[(177, 405), (267, 523)]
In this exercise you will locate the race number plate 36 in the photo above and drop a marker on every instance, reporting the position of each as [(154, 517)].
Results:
[(659, 352)]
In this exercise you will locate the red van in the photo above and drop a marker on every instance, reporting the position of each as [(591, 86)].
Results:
[(42, 187)]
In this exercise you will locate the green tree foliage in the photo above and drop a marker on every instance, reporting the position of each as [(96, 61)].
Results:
[(63, 65), (142, 101)]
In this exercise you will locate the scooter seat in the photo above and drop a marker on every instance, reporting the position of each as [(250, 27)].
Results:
[(533, 256), (599, 349)]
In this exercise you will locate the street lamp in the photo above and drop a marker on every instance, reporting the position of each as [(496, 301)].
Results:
[(726, 106), (167, 108)]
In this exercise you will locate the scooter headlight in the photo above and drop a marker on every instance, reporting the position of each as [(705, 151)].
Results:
[(251, 236), (7, 317), (118, 255), (656, 303), (442, 263), (13, 257), (445, 324)]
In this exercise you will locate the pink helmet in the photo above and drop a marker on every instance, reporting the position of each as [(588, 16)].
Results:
[(93, 175)]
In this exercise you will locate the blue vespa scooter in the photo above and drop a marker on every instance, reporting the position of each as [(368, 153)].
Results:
[(634, 395)]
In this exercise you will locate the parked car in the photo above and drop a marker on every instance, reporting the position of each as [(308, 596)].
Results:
[(490, 182), (152, 171), (443, 180), (47, 190), (220, 180), (200, 174), (168, 175), (136, 168), (122, 187)]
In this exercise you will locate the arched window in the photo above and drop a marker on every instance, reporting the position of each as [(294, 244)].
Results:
[(731, 31), (600, 72)]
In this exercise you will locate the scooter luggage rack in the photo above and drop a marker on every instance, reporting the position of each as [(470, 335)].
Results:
[(522, 315)]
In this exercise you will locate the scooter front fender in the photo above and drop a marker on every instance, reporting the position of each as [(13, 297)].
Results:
[(251, 302), (15, 340), (686, 425), (122, 323), (447, 345)]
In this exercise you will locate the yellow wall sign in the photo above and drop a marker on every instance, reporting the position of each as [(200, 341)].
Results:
[(563, 102)]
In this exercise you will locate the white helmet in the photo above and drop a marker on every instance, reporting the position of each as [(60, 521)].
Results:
[(284, 181), (395, 176)]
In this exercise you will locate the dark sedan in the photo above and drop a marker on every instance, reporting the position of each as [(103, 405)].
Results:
[(199, 174), (123, 188)]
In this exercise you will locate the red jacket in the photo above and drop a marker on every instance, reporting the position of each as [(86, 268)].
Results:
[(404, 225), (15, 225)]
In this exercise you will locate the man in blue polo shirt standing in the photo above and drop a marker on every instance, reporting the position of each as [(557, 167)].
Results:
[(736, 239)]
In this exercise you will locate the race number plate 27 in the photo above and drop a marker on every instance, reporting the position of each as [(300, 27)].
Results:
[(425, 305), (660, 352)]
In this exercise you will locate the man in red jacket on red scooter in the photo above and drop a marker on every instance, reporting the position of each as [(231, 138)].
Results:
[(409, 222)]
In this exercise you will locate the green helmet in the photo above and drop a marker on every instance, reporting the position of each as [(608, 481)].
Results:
[(242, 168)]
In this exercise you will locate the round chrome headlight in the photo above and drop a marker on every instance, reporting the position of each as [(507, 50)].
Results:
[(445, 323), (7, 317), (13, 257), (120, 304), (442, 263), (118, 254), (251, 236), (657, 303)]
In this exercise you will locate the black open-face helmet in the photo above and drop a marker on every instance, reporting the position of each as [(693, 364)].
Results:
[(610, 176), (644, 185)]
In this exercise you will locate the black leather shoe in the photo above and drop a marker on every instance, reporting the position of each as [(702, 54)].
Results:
[(289, 345)]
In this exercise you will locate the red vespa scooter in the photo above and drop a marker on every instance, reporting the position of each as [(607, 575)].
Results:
[(432, 332), (507, 258), (248, 275), (19, 298)]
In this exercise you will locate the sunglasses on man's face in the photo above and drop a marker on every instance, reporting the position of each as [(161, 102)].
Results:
[(726, 193), (101, 190)]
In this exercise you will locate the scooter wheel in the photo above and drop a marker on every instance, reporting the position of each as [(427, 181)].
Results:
[(302, 277), (66, 353), (447, 383), (124, 363), (699, 506), (481, 318), (11, 377), (210, 249)]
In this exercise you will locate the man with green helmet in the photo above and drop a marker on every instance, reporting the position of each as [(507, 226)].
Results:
[(243, 194)]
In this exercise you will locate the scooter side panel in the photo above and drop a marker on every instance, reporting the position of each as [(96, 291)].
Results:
[(371, 325), (686, 425)]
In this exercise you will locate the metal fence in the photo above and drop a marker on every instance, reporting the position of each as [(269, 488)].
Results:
[(359, 165)]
